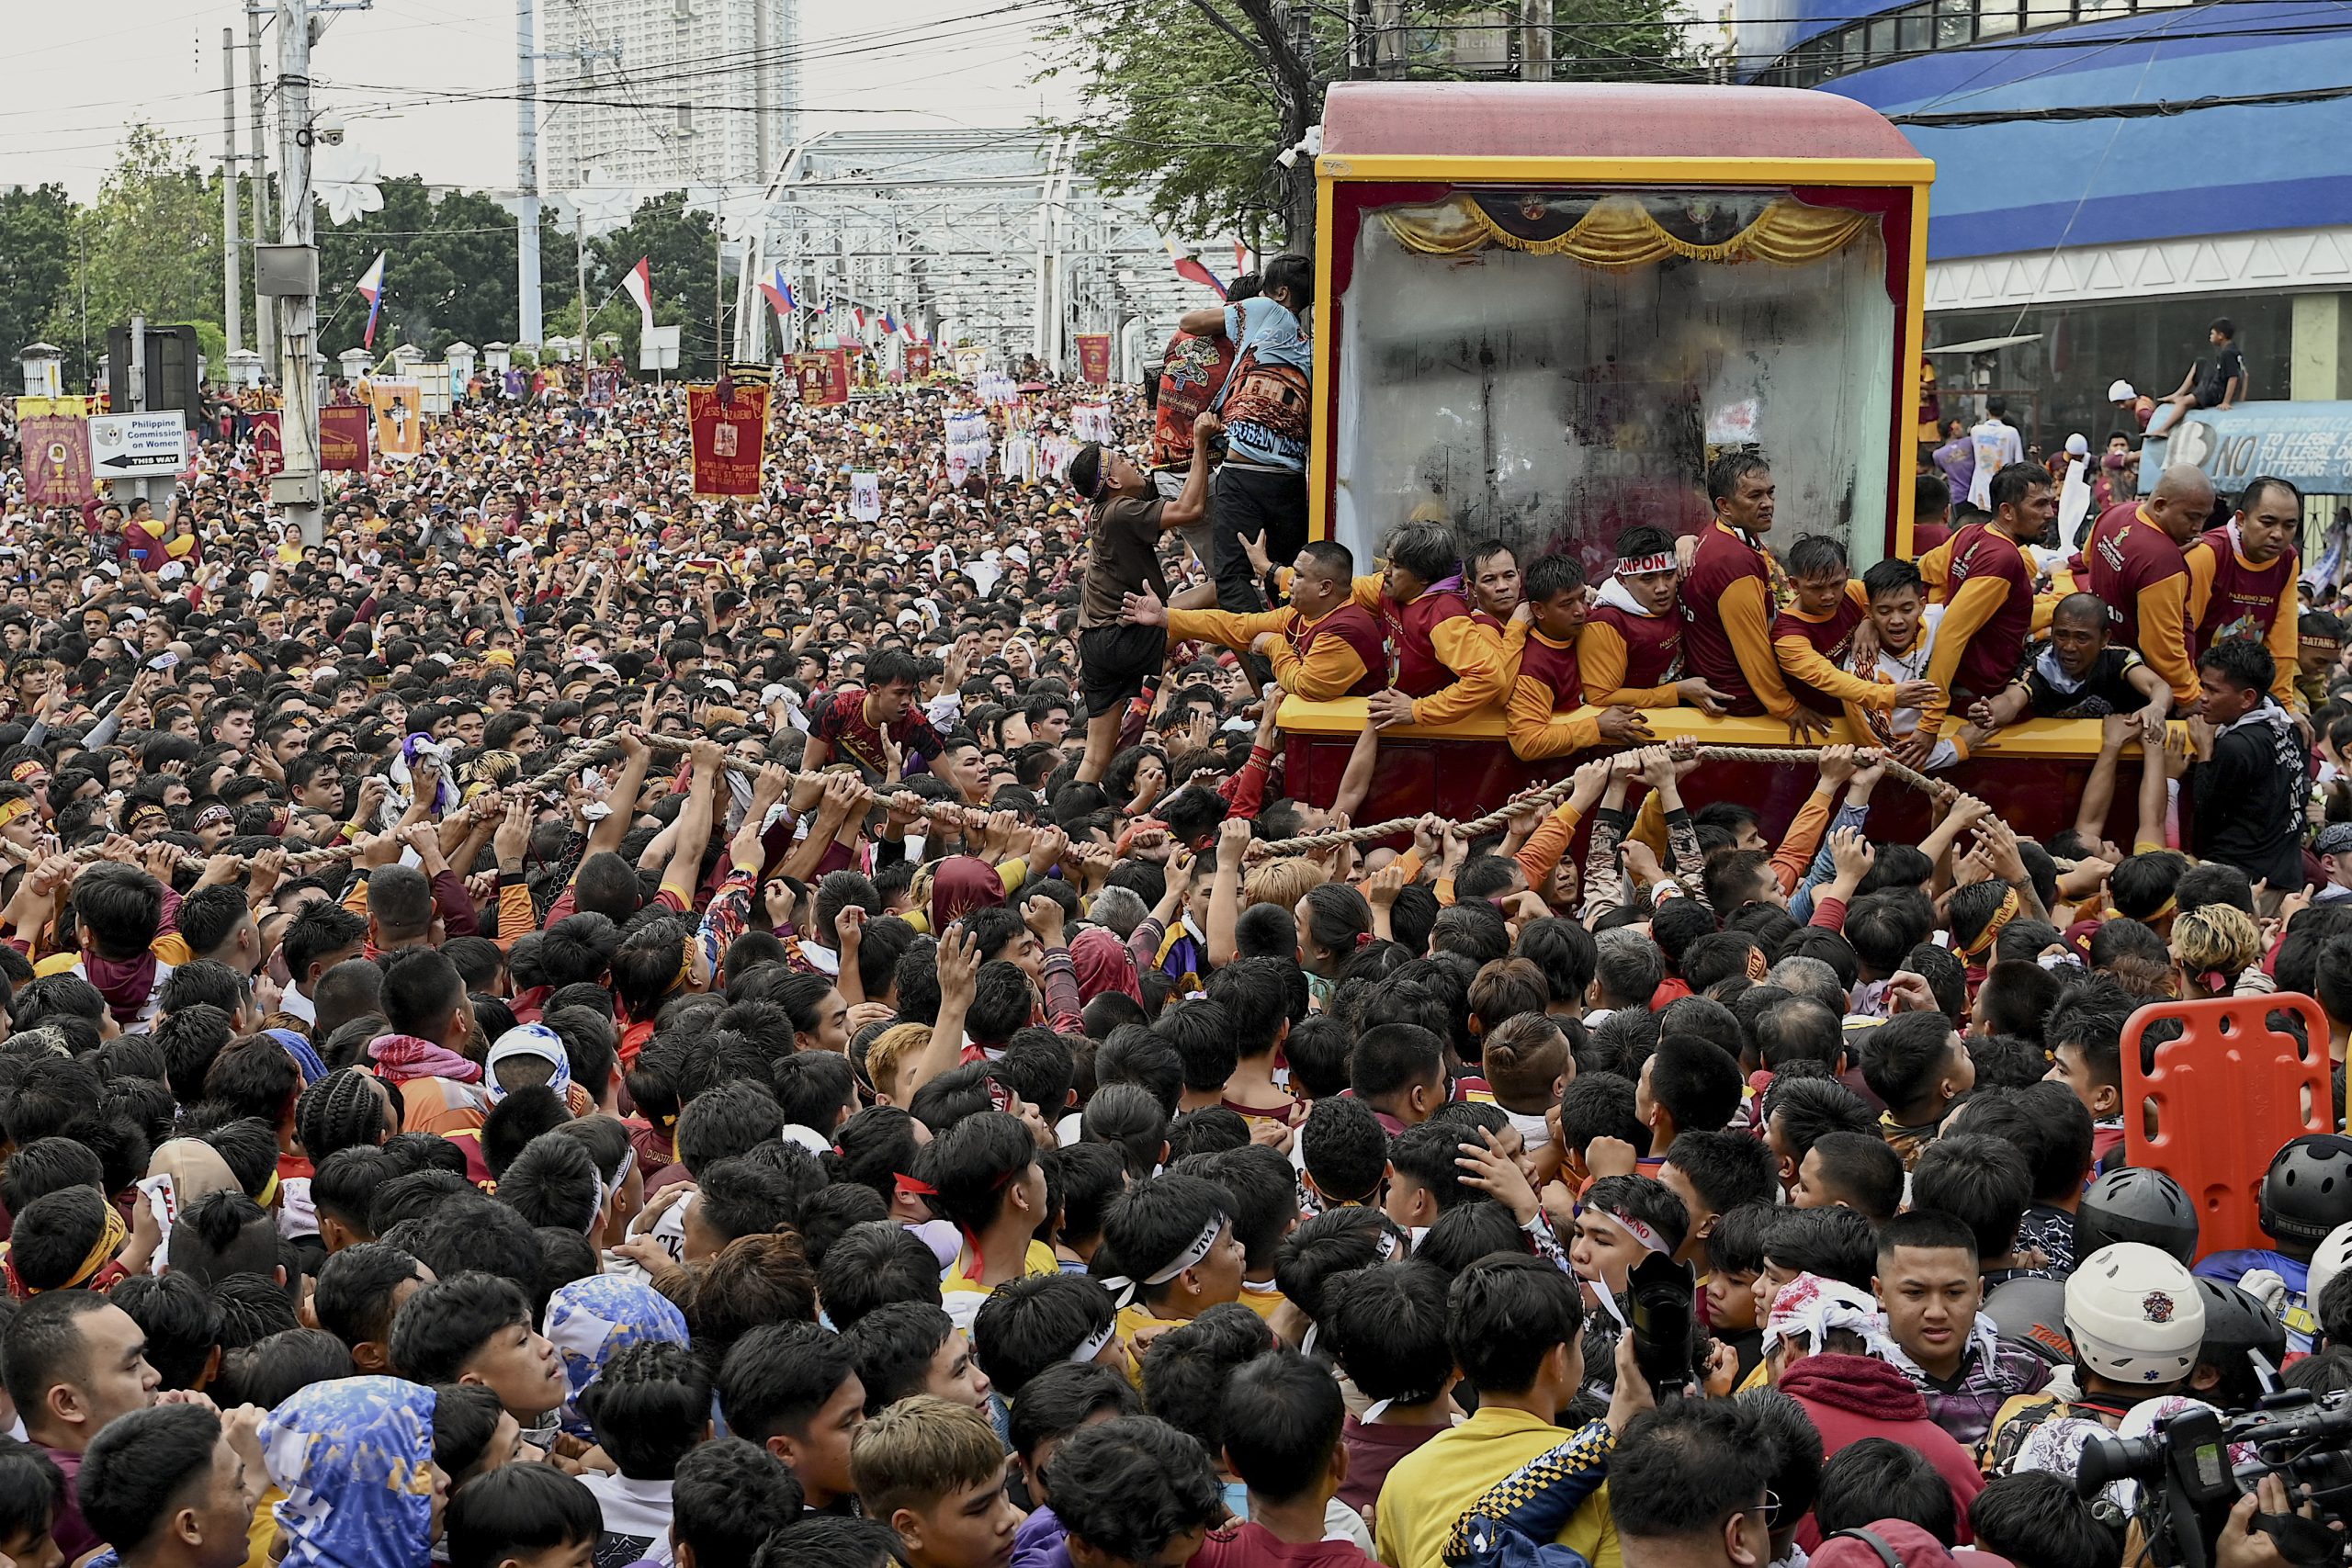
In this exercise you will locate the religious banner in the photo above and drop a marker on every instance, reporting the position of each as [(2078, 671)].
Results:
[(865, 497), (400, 417), (1094, 359), (269, 443), (342, 437), (918, 361), (968, 361), (728, 440), (57, 460), (822, 377)]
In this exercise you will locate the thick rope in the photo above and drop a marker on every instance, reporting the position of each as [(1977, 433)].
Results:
[(597, 753), (548, 781), (1550, 793)]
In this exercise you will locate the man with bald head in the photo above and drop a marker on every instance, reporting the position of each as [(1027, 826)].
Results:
[(2134, 562)]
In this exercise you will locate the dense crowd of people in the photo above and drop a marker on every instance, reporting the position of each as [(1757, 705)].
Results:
[(568, 1024)]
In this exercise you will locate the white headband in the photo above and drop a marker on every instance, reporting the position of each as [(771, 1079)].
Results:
[(1634, 1228), (1125, 1291), (1092, 1346)]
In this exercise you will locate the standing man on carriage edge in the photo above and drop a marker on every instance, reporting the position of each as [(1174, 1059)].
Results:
[(1727, 602)]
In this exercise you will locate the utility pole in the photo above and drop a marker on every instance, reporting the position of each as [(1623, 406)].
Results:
[(231, 284), (296, 488), (258, 167), (528, 328), (1535, 43)]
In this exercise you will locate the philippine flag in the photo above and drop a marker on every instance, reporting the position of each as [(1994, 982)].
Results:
[(778, 290), (638, 281), (890, 323), (371, 285), (1191, 267)]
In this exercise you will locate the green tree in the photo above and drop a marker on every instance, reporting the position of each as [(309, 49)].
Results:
[(449, 272), (1194, 100), (35, 263), (148, 246), (679, 245)]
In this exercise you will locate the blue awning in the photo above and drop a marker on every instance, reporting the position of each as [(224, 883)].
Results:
[(2307, 445)]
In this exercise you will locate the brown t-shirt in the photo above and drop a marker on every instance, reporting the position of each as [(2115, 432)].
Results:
[(1123, 556)]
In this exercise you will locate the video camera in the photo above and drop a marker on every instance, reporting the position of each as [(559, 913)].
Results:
[(2188, 1483)]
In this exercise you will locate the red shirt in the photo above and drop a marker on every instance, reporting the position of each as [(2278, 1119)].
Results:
[(1555, 668), (2243, 600), (1653, 644), (1830, 637), (1353, 625), (840, 723), (2125, 554), (1994, 654), (1722, 560), (1419, 670)]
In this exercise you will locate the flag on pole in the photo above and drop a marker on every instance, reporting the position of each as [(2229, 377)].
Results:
[(858, 316), (639, 284), (371, 285), (1189, 267), (1240, 258), (890, 322), (907, 330), (778, 290)]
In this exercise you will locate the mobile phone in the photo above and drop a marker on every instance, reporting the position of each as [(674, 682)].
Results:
[(165, 660)]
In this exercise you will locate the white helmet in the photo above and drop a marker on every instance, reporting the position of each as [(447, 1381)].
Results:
[(2135, 1314), (2328, 1261)]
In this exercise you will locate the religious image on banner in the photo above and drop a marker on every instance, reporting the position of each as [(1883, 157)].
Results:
[(729, 440), (343, 438), (57, 460), (400, 417), (1094, 359), (968, 361), (918, 361), (821, 376), (865, 497), (269, 443)]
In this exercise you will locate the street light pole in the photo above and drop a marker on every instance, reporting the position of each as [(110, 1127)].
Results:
[(296, 488)]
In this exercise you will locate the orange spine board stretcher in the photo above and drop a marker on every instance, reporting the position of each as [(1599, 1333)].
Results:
[(2225, 1096)]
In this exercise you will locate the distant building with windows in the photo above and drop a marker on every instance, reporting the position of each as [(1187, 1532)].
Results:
[(664, 94), (2107, 244)]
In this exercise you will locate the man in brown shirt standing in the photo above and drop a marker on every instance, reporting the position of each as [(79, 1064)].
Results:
[(1123, 521)]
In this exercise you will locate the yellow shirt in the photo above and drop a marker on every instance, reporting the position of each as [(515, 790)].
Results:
[(1265, 1302), (1428, 1489), (962, 1295), (1139, 1319)]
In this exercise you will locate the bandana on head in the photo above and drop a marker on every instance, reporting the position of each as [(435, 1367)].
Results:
[(28, 772), (2002, 915), (532, 1040), (1809, 1306), (12, 809), (214, 816)]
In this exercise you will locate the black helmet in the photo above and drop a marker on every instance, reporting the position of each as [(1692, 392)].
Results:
[(2307, 1192), (2237, 1321), (2136, 1204)]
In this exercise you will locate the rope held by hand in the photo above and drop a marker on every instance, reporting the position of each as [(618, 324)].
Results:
[(1558, 789), (550, 780)]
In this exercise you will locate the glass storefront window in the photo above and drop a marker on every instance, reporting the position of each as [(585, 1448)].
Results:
[(1553, 403), (1882, 46), (1916, 34)]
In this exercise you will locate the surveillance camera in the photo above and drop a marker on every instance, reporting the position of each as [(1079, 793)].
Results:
[(1287, 157), (328, 129)]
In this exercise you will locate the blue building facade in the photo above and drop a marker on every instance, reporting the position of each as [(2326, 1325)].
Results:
[(2107, 244)]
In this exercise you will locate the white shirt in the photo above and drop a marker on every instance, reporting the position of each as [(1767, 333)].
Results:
[(637, 1518)]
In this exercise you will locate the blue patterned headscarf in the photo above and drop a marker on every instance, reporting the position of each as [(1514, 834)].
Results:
[(591, 1321), (355, 1459)]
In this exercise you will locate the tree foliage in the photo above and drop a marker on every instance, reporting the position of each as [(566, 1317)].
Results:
[(1194, 100), (148, 246), (35, 263)]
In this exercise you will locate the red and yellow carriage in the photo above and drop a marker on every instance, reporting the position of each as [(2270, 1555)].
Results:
[(1542, 309)]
